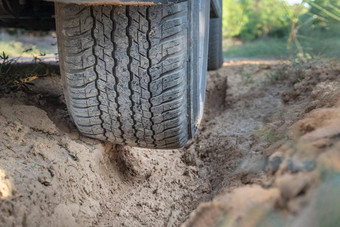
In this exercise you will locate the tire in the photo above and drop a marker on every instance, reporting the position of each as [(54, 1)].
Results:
[(215, 55), (135, 75)]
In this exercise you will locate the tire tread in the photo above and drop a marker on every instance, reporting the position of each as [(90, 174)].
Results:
[(124, 72)]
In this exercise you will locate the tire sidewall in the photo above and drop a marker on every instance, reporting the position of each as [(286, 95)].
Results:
[(199, 38)]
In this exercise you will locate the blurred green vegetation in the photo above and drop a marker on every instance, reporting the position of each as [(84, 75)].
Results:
[(274, 28), (15, 48), (20, 42)]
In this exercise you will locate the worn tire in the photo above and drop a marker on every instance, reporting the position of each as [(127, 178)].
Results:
[(127, 71), (215, 55)]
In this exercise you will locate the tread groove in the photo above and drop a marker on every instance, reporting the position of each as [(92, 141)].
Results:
[(148, 71), (114, 73), (95, 70), (131, 75)]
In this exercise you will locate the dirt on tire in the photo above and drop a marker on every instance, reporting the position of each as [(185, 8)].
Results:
[(260, 118)]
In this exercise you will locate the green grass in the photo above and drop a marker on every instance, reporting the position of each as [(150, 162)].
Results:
[(277, 48), (324, 46), (262, 48)]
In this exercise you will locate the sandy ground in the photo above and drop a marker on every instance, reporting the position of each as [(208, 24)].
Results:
[(267, 151)]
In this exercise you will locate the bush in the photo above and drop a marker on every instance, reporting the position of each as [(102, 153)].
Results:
[(265, 17), (234, 18), (249, 19)]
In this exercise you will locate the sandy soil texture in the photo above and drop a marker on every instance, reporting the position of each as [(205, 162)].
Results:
[(267, 149)]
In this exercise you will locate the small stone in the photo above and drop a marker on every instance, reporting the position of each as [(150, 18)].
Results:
[(274, 164), (44, 181)]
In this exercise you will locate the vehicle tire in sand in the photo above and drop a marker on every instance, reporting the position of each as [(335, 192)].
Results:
[(135, 75)]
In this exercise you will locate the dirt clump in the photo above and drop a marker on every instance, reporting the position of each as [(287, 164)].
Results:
[(302, 172)]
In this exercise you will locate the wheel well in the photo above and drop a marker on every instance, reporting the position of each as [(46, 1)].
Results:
[(215, 8), (30, 14)]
